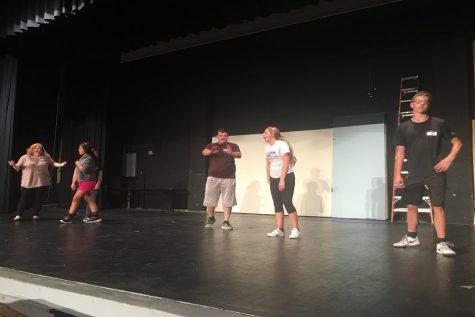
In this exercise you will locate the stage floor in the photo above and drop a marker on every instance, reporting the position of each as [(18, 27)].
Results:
[(337, 268)]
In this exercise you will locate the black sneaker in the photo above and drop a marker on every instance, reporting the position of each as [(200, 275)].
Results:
[(210, 222), (67, 219), (94, 218)]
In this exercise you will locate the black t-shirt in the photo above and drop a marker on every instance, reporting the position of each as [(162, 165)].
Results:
[(423, 144)]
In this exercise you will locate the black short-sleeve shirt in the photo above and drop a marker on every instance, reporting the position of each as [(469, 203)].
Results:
[(423, 144)]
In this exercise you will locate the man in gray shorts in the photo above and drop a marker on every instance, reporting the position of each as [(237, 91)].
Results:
[(419, 141), (221, 180)]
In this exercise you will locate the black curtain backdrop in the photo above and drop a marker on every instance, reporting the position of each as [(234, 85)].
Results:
[(8, 81), (64, 109), (84, 97)]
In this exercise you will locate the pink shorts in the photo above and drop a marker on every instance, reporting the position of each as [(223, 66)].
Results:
[(89, 186)]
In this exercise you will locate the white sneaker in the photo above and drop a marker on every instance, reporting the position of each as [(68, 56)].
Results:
[(407, 241), (276, 233), (444, 248), (294, 234), (17, 218)]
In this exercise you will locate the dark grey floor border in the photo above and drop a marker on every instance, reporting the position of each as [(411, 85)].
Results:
[(85, 299)]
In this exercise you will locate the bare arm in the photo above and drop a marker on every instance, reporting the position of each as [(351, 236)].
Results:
[(235, 154), (268, 170), (399, 160), (208, 152), (446, 162), (86, 165), (12, 164), (78, 166), (100, 175), (56, 164), (229, 150), (74, 181)]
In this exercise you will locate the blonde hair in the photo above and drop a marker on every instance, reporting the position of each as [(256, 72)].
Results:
[(31, 150), (278, 136)]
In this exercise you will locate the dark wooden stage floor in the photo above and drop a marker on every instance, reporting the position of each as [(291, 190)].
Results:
[(337, 268)]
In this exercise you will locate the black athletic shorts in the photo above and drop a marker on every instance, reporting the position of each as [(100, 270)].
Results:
[(415, 188)]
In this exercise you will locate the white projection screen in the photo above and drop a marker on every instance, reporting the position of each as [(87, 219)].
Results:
[(359, 172), (312, 196), (340, 173)]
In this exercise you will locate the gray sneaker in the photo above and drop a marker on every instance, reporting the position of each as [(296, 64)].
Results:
[(407, 241), (226, 226), (210, 222), (444, 248)]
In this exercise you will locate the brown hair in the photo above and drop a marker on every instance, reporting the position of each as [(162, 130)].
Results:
[(278, 136), (222, 130), (422, 93)]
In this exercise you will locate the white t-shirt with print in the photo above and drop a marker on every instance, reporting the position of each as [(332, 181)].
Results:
[(274, 154)]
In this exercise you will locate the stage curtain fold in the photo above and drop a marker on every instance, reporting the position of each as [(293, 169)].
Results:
[(8, 82), (17, 16)]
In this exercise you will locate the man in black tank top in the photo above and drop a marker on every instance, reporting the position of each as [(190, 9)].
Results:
[(419, 140)]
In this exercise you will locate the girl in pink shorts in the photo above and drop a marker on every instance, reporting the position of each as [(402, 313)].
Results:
[(84, 182)]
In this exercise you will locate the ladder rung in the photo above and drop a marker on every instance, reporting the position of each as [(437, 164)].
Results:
[(400, 209), (406, 100), (409, 90), (409, 77), (426, 210)]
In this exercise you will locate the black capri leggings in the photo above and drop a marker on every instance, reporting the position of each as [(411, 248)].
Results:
[(32, 198), (283, 198)]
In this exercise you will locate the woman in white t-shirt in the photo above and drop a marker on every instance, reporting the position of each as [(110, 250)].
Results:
[(281, 178)]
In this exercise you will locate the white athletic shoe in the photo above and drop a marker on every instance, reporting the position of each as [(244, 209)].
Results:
[(444, 248), (276, 233), (294, 234), (407, 241)]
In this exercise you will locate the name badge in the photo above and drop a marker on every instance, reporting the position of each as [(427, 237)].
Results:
[(431, 133)]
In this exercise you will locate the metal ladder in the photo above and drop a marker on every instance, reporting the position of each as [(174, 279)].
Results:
[(409, 87)]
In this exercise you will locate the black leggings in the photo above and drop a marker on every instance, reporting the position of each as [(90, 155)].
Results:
[(32, 198), (283, 198)]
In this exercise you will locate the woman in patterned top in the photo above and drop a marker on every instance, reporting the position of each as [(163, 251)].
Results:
[(35, 179)]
